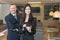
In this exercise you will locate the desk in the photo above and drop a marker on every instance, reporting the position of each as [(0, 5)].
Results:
[(50, 30)]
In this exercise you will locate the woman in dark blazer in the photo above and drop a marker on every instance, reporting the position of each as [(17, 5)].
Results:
[(27, 24)]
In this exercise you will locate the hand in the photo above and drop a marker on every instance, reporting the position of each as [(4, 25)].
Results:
[(29, 29), (14, 29), (24, 25)]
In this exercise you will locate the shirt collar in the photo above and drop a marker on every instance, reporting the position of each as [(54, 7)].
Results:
[(13, 14)]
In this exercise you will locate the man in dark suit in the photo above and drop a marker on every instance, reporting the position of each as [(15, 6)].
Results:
[(12, 21)]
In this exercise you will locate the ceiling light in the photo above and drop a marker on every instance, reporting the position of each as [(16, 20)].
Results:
[(34, 2)]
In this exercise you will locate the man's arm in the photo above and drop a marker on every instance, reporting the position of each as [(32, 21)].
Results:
[(10, 25)]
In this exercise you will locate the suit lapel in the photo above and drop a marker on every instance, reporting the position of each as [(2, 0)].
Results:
[(17, 18), (12, 17)]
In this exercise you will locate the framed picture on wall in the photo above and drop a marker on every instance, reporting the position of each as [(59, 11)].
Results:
[(35, 9)]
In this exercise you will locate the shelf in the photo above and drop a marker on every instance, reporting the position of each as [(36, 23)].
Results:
[(52, 30)]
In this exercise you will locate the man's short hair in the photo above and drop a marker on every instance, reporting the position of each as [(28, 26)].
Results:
[(11, 4)]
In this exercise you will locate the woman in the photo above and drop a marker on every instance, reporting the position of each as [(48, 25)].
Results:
[(28, 24)]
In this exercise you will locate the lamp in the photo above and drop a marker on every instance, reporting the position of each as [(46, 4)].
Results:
[(51, 11), (56, 13)]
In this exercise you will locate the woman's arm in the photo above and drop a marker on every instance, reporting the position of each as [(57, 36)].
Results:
[(34, 23)]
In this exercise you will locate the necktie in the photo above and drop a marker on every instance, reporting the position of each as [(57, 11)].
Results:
[(15, 17)]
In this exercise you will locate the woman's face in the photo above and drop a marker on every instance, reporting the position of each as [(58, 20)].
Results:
[(27, 10)]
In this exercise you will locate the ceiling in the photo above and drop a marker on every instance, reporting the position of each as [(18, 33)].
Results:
[(26, 1)]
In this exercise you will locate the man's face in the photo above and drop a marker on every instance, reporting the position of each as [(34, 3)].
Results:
[(13, 8)]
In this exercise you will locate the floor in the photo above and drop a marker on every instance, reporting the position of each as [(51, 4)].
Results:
[(3, 35)]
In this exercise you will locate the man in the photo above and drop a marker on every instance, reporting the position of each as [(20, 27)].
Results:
[(12, 21)]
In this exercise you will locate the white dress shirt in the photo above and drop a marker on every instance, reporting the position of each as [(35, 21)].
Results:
[(14, 15)]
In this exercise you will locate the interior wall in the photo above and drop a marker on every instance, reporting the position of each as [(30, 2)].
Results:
[(39, 16), (0, 13), (4, 10)]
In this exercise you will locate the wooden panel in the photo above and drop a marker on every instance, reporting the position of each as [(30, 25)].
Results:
[(45, 33), (4, 37)]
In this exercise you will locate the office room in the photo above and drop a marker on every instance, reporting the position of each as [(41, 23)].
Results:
[(45, 27)]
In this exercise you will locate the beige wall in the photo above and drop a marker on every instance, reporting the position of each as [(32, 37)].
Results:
[(41, 15), (4, 10), (0, 13)]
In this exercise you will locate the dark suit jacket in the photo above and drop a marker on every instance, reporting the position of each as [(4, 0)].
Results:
[(29, 35), (12, 24)]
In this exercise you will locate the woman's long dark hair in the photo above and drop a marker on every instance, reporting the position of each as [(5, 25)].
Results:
[(24, 15)]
